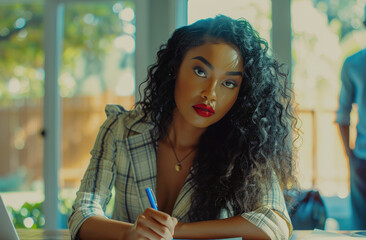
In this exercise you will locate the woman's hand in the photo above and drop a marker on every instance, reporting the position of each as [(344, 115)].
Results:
[(152, 224)]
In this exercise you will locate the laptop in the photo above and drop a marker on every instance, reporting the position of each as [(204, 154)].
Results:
[(7, 228)]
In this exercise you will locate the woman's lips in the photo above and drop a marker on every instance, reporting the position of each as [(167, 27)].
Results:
[(204, 110)]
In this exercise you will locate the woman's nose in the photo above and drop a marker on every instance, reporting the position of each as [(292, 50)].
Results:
[(209, 92)]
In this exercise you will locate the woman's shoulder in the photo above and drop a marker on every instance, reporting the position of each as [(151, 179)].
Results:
[(119, 117), (113, 110), (118, 111)]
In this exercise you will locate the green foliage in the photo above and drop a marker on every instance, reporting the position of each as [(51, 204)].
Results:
[(20, 52), (89, 30), (28, 216), (349, 13)]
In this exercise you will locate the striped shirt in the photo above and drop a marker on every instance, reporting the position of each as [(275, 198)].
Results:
[(124, 157)]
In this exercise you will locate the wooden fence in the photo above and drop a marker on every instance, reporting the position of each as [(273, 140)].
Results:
[(21, 142)]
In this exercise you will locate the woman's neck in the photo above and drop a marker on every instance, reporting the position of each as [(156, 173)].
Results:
[(182, 134)]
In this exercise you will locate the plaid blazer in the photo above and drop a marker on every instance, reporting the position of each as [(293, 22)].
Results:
[(124, 157)]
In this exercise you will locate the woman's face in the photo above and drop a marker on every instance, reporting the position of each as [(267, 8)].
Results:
[(208, 83)]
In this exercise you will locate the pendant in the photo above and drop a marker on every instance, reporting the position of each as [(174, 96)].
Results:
[(178, 167)]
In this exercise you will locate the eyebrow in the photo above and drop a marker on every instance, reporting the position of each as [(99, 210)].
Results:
[(208, 64)]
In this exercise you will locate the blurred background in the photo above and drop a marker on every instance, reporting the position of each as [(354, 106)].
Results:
[(105, 48)]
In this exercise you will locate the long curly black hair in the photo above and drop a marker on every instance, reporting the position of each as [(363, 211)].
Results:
[(237, 155)]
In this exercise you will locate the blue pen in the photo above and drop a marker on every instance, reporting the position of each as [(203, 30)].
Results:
[(152, 200)]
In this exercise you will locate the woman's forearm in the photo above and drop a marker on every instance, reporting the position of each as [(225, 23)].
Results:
[(344, 130), (224, 228), (98, 227)]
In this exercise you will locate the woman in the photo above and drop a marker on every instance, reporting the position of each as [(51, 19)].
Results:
[(212, 137)]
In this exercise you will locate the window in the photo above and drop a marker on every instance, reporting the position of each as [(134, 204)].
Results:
[(97, 69), (258, 13), (324, 34), (21, 104)]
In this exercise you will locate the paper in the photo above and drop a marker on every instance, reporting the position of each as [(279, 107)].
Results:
[(238, 238), (323, 235)]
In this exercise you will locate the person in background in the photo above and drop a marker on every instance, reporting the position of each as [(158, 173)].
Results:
[(212, 137), (353, 90)]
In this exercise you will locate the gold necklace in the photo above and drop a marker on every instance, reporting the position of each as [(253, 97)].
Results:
[(178, 166)]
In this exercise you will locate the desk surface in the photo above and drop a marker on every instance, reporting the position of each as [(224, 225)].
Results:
[(40, 234), (63, 234)]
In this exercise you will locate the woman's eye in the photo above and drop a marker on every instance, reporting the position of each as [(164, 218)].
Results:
[(199, 72), (230, 84)]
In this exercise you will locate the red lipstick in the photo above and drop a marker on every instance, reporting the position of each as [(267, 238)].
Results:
[(204, 110)]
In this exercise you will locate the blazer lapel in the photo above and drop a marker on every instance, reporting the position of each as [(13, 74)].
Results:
[(142, 154), (183, 202)]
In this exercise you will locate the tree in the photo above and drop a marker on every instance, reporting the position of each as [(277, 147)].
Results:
[(350, 14), (89, 32)]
